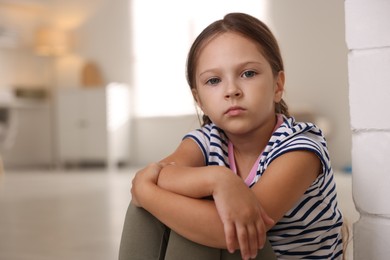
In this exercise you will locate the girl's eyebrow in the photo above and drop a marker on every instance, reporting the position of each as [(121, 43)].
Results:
[(239, 65), (251, 62), (207, 71)]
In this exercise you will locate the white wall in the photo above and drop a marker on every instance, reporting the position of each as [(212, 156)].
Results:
[(368, 39), (156, 137)]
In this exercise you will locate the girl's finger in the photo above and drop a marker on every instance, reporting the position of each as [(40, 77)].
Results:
[(261, 234), (253, 240), (230, 236), (243, 241)]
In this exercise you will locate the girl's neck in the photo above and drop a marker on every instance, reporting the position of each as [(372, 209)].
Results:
[(247, 150), (253, 143)]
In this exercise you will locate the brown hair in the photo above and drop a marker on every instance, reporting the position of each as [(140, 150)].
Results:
[(249, 27)]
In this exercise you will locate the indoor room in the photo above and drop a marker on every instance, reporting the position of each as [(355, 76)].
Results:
[(91, 91)]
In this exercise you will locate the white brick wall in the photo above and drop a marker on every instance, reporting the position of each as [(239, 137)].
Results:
[(371, 172), (369, 87), (367, 23), (371, 238), (368, 39)]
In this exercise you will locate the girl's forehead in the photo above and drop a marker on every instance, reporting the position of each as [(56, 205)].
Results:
[(230, 44), (218, 40), (228, 36)]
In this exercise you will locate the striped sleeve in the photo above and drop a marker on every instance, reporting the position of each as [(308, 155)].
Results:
[(293, 136), (201, 138), (213, 144), (303, 143)]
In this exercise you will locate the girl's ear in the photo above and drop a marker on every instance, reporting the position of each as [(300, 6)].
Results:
[(279, 87)]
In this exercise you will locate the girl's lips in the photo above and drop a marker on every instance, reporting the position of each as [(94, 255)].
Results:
[(234, 111)]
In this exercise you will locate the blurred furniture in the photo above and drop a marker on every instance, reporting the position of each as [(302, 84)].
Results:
[(6, 119), (1, 167), (308, 114), (93, 125), (25, 131), (4, 126)]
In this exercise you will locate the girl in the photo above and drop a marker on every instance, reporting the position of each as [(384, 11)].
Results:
[(262, 172)]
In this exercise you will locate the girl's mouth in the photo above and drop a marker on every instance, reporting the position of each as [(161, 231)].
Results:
[(234, 111)]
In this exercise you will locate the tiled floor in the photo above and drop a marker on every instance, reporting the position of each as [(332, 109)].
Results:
[(77, 215)]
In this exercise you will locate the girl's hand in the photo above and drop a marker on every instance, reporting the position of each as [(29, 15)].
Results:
[(143, 178), (242, 216)]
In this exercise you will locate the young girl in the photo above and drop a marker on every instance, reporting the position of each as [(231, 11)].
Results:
[(251, 170)]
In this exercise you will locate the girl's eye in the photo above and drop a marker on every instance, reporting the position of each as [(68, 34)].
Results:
[(249, 74), (213, 81)]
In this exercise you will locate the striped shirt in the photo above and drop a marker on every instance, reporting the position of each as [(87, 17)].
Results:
[(312, 228)]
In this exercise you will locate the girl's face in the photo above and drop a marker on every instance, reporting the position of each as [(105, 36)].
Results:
[(235, 86)]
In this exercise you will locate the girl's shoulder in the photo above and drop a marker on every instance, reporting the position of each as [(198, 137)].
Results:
[(208, 133), (213, 143), (292, 129), (293, 136)]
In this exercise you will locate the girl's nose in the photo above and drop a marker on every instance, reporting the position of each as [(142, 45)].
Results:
[(233, 91)]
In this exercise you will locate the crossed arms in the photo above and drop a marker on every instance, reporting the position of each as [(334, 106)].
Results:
[(174, 189)]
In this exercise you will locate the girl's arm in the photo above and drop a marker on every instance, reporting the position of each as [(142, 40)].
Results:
[(198, 219), (185, 172), (192, 218), (282, 184), (285, 181), (236, 214), (242, 216)]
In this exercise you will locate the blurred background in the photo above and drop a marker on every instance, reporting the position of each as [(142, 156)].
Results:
[(89, 81), (89, 88)]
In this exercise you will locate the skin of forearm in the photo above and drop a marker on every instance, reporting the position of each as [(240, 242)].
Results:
[(194, 182), (194, 219)]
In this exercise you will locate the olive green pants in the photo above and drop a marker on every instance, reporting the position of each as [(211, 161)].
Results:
[(145, 238)]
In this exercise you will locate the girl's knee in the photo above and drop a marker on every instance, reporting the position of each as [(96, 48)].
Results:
[(143, 236), (181, 248)]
